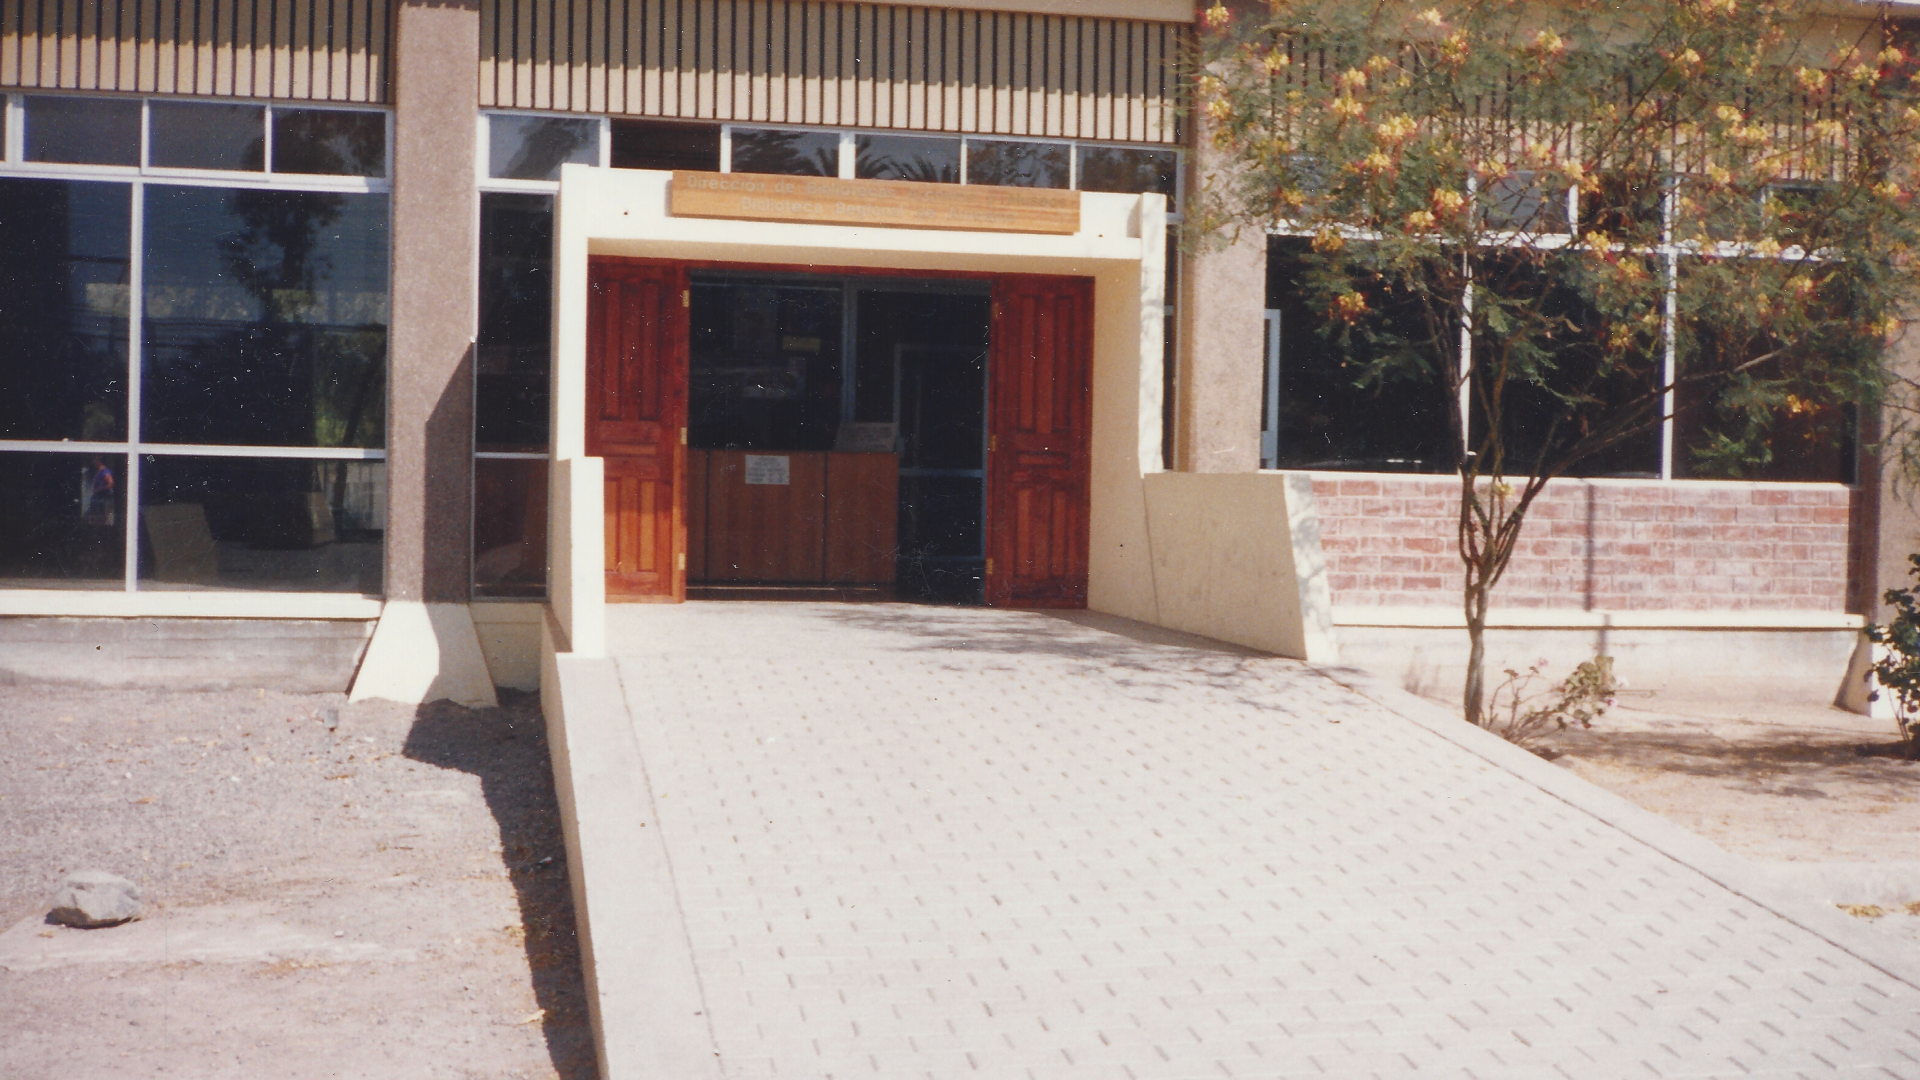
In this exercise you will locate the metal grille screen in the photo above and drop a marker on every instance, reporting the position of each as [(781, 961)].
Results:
[(833, 63), (314, 50)]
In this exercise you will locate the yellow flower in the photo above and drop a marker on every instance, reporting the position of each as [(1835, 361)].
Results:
[(1396, 129), (1729, 114), (1687, 58), (1348, 307), (1812, 80), (1864, 73), (1767, 248), (1217, 16), (1421, 219), (1551, 43), (1431, 17), (1454, 46), (1718, 173), (1599, 241), (1275, 60), (1377, 162), (1219, 109), (1348, 107), (1447, 201), (1378, 64), (1326, 240), (1829, 129), (1353, 79), (1890, 57)]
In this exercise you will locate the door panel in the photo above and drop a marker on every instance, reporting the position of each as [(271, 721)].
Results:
[(636, 422), (1040, 445)]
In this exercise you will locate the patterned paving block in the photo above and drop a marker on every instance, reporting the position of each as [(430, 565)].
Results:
[(914, 841)]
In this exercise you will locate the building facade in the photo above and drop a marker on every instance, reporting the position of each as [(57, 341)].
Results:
[(374, 343)]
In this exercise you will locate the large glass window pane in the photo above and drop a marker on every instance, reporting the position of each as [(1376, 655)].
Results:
[(789, 153), (516, 307), (764, 366), (265, 317), (329, 142), (662, 144), (1019, 164), (83, 131), (509, 527), (63, 309), (907, 157), (1332, 416), (262, 523), (194, 135), (1116, 168), (534, 147), (65, 521)]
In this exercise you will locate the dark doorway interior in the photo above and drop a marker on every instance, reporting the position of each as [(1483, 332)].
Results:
[(844, 368)]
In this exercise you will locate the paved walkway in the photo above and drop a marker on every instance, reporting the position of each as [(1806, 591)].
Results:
[(933, 842)]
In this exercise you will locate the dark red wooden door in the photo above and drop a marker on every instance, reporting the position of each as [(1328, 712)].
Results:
[(1039, 442), (636, 422)]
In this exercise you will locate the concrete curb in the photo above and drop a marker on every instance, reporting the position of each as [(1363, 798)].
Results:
[(1689, 849), (649, 1015)]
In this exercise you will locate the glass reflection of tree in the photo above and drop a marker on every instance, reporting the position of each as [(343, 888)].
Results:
[(787, 153), (319, 375), (883, 159)]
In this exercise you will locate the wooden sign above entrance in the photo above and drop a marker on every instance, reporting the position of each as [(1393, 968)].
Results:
[(816, 200)]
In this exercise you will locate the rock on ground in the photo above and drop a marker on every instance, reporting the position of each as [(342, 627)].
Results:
[(95, 898)]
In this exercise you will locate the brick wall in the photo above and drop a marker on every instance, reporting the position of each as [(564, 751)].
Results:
[(1601, 545)]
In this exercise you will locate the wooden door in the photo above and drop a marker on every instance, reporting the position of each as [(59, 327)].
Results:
[(636, 422), (1039, 444)]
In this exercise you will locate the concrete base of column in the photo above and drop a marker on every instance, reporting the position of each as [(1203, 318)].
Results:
[(1859, 683), (425, 652)]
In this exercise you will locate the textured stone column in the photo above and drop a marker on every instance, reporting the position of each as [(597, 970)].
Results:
[(1222, 306), (1885, 525), (425, 646), (435, 245)]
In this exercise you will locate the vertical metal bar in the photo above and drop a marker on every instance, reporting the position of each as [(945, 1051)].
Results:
[(136, 274)]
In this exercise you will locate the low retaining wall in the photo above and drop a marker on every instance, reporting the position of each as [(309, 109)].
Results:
[(1594, 545)]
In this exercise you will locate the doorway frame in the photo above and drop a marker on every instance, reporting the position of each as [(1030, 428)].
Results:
[(1120, 246)]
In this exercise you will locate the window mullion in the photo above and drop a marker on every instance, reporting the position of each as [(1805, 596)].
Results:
[(136, 272)]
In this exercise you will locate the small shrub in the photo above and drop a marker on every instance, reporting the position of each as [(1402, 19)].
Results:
[(1522, 708), (1898, 671)]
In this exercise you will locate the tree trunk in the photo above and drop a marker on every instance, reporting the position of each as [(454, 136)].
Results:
[(1474, 698)]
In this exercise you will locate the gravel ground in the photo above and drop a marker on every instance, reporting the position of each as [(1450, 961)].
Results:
[(385, 899)]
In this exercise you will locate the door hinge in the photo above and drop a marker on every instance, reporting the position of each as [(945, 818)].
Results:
[(680, 561), (686, 298), (683, 436), (989, 567), (993, 443)]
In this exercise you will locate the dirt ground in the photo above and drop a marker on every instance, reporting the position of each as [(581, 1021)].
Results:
[(1777, 781), (387, 899)]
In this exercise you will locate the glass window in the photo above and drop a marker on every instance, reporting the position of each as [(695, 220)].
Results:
[(509, 528), (1019, 164), (262, 523), (1331, 415), (1516, 202), (329, 142), (790, 153), (654, 144), (265, 317), (907, 157), (192, 135), (764, 366), (1625, 207), (64, 259), (511, 356), (83, 131), (1115, 168), (534, 147), (65, 520)]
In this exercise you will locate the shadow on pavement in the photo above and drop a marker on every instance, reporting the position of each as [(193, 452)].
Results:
[(507, 749)]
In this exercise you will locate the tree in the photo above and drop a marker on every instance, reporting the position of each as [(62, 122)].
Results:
[(1570, 222)]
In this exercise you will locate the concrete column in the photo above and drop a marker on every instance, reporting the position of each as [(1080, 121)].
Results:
[(425, 646), (1885, 526), (435, 251), (1222, 306)]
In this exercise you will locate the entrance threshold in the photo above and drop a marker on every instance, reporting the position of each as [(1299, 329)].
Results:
[(833, 593)]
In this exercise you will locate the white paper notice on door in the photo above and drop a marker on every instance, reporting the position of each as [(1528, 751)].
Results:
[(769, 469)]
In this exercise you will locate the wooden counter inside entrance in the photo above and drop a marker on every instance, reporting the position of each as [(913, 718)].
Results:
[(795, 518)]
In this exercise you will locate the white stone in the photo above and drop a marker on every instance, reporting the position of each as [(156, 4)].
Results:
[(95, 898)]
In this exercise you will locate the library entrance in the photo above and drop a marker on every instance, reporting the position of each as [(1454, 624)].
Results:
[(779, 431)]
